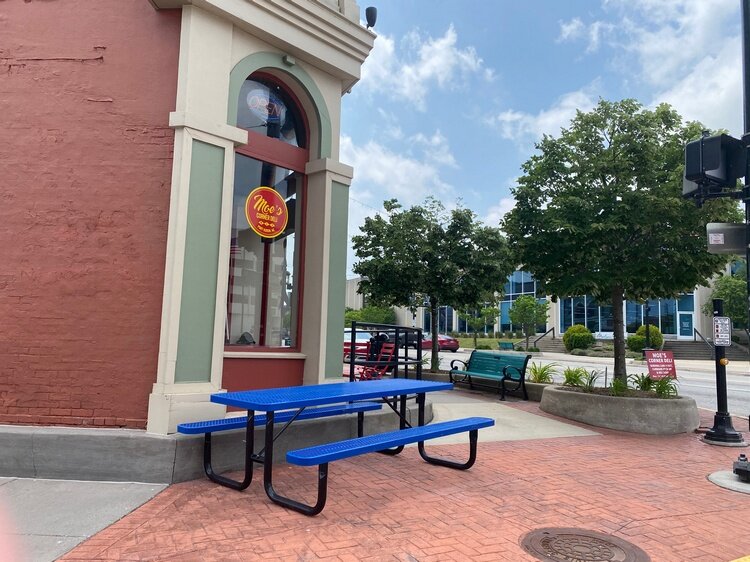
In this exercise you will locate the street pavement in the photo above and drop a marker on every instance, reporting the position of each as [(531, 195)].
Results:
[(533, 471)]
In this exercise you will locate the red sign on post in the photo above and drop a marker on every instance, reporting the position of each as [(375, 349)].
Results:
[(660, 364), (266, 212)]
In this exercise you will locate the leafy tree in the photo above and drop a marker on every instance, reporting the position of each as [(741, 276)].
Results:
[(426, 254), (599, 211), (374, 314), (528, 312), (733, 291), (477, 318)]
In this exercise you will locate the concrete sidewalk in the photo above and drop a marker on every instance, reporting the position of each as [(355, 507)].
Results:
[(533, 472)]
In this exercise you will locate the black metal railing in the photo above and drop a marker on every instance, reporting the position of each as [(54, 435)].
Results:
[(401, 364), (708, 343), (552, 329)]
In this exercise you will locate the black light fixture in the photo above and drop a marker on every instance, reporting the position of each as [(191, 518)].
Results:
[(371, 15)]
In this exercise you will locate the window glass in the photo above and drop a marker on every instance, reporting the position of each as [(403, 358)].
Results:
[(579, 310), (592, 314), (607, 320), (566, 314), (263, 293), (668, 316), (266, 108), (686, 303), (505, 316), (632, 316)]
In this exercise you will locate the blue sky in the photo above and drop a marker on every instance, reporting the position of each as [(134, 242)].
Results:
[(456, 92)]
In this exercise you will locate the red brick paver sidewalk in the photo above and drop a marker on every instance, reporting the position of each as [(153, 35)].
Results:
[(651, 491)]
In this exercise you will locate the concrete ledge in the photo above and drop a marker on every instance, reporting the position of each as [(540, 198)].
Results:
[(126, 455), (653, 416)]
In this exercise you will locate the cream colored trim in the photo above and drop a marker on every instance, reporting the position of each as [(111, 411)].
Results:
[(178, 204), (337, 171), (263, 355), (305, 29), (218, 131)]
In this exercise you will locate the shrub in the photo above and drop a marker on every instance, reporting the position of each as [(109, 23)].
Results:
[(578, 337), (638, 341), (665, 387), (574, 376), (642, 382), (483, 346), (542, 373), (589, 380), (618, 387)]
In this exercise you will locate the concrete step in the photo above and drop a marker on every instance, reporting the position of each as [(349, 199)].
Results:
[(699, 350)]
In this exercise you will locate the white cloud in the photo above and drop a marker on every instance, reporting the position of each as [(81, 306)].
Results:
[(524, 127), (389, 174), (686, 51), (712, 92), (381, 174), (496, 212), (436, 149), (423, 64), (570, 30)]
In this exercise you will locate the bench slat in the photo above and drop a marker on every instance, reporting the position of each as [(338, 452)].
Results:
[(328, 452), (240, 422)]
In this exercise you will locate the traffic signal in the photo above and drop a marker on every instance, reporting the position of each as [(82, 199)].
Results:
[(714, 163)]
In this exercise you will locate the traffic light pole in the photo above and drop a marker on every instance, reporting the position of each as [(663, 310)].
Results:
[(722, 432)]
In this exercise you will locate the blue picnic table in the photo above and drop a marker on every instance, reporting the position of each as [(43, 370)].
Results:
[(290, 404)]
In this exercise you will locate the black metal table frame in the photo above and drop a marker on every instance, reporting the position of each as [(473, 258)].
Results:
[(265, 455)]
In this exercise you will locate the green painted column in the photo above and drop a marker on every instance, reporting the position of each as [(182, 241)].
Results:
[(337, 277), (199, 278)]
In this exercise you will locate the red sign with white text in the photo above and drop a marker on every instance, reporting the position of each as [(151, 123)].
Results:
[(266, 212), (660, 364)]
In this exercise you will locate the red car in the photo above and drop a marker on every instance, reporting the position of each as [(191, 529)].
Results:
[(445, 343)]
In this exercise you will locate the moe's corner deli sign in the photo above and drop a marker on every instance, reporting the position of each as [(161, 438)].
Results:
[(266, 212)]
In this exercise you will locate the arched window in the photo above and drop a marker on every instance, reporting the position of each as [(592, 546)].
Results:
[(263, 296)]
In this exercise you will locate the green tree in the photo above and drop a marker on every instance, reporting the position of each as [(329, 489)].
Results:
[(479, 317), (733, 291), (426, 254), (374, 314), (599, 211), (528, 312)]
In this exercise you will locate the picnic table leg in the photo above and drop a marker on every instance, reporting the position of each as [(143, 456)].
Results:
[(473, 435), (401, 425), (249, 446), (268, 478)]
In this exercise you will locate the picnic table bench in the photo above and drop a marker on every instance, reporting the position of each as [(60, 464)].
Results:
[(501, 367), (294, 403)]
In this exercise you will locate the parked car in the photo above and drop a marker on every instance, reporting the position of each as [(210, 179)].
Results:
[(361, 337), (445, 343)]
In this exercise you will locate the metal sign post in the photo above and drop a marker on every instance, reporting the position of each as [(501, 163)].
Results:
[(722, 433)]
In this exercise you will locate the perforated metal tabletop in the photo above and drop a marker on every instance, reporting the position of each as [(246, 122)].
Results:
[(273, 399)]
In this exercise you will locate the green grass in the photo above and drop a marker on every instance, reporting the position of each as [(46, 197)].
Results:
[(468, 343)]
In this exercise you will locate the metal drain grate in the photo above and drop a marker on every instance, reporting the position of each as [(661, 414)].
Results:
[(579, 545)]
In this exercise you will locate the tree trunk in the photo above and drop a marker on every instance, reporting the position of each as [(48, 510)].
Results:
[(475, 339), (527, 333), (434, 359), (619, 327)]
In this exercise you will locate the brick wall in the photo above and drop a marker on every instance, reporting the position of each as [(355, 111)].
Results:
[(85, 169)]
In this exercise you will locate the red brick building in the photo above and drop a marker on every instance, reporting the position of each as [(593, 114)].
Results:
[(123, 149)]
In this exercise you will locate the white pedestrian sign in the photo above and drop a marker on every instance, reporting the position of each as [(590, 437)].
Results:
[(722, 331)]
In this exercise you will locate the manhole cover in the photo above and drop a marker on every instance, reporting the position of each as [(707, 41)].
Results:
[(579, 545)]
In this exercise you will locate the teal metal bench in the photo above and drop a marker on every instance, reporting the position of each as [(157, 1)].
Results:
[(240, 422), (321, 455), (505, 345), (488, 365)]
